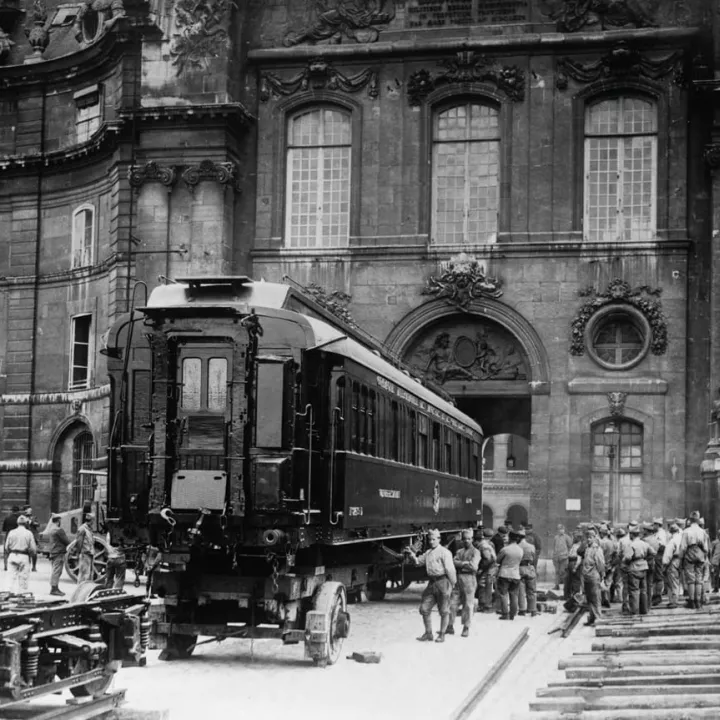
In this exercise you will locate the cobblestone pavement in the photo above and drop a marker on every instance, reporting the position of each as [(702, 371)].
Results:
[(238, 678)]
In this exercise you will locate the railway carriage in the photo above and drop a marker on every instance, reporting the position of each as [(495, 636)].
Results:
[(277, 457)]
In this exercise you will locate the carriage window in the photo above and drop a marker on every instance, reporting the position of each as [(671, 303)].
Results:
[(448, 451), (355, 439), (422, 440), (191, 383), (364, 420), (475, 463), (413, 435), (217, 384), (370, 414), (269, 395), (394, 431), (435, 446), (340, 414)]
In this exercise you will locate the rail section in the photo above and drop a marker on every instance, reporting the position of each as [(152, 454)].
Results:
[(661, 666)]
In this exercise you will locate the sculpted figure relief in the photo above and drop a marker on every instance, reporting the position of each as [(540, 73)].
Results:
[(574, 15)]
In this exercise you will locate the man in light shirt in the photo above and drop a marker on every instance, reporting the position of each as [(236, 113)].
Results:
[(467, 562), (693, 553), (20, 548), (509, 559), (671, 563), (438, 562)]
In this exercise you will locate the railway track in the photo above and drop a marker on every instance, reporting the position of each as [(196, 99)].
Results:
[(95, 708), (660, 666)]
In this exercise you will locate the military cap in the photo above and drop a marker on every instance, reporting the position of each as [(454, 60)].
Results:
[(577, 536), (22, 520), (657, 521), (503, 530), (518, 533), (55, 516), (648, 527), (633, 528), (468, 532), (620, 532), (674, 527), (487, 532), (434, 533), (604, 528), (694, 515)]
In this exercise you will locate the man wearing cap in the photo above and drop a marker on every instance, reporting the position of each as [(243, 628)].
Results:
[(650, 539), (57, 542), (438, 562), (527, 594), (693, 552), (509, 559), (487, 571), (662, 540), (20, 547), (34, 527), (9, 523), (534, 539), (574, 582), (500, 539), (467, 562), (593, 571), (562, 543), (635, 560), (620, 577), (671, 564), (85, 543), (609, 549)]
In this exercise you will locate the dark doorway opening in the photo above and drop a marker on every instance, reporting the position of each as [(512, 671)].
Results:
[(516, 516)]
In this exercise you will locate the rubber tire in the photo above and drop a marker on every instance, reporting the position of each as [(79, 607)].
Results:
[(101, 558), (326, 600)]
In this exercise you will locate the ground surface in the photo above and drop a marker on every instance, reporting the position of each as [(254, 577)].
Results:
[(242, 678)]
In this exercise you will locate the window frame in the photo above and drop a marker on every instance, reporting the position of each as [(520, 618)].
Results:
[(84, 384), (283, 112), (83, 441), (75, 241), (81, 98), (605, 314), (437, 101)]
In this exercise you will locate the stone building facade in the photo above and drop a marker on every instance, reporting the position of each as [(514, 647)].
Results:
[(514, 195)]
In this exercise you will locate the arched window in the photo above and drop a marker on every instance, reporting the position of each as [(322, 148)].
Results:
[(82, 487), (620, 169), (465, 174), (83, 236), (617, 466), (319, 145)]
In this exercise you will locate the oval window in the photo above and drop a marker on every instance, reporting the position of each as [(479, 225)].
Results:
[(617, 338)]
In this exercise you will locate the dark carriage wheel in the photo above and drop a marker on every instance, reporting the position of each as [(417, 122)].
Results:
[(179, 647), (94, 687), (331, 600), (100, 560), (376, 590)]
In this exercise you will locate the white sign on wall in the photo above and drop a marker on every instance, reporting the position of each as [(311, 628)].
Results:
[(572, 504)]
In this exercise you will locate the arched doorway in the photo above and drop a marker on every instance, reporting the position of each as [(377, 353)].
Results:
[(517, 515), (74, 451), (488, 516)]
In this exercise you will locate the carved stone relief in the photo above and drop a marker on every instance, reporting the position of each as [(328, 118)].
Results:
[(37, 31), (621, 62), (334, 20), (224, 173), (138, 175), (318, 75), (201, 32), (468, 351), (616, 402), (336, 301), (574, 15), (462, 281), (464, 67)]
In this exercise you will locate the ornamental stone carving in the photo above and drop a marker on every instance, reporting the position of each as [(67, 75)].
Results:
[(6, 45), (462, 281), (574, 15), (201, 32), (621, 62), (335, 301), (466, 67), (334, 20), (468, 352), (224, 173), (643, 298), (616, 403), (138, 175), (318, 75), (37, 32)]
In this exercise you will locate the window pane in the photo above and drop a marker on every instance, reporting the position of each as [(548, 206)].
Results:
[(603, 118), (217, 384), (191, 383), (637, 182), (601, 188)]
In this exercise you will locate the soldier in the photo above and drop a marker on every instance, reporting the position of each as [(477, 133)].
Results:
[(650, 539), (116, 566), (467, 562), (715, 562), (593, 572), (635, 560), (706, 564), (659, 575), (20, 548), (509, 576), (534, 539), (34, 527), (500, 539), (487, 572), (671, 564), (693, 552), (528, 578), (562, 543), (57, 542), (574, 582), (85, 543), (438, 562), (622, 588), (609, 548), (9, 523)]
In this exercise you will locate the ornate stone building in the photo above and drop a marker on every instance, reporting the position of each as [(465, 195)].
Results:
[(513, 193)]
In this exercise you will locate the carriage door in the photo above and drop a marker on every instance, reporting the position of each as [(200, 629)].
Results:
[(203, 414)]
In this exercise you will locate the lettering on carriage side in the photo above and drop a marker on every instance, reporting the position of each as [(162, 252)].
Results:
[(355, 511), (394, 494)]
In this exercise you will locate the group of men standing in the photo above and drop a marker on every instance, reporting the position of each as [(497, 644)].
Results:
[(636, 564)]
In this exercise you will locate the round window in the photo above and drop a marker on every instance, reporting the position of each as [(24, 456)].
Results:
[(617, 337)]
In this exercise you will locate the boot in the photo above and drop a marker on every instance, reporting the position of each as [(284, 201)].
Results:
[(450, 630), (444, 628), (427, 636), (440, 637), (465, 632), (56, 591)]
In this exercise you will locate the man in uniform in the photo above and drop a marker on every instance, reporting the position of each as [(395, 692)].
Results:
[(534, 539), (57, 542), (650, 539), (509, 576), (500, 539), (116, 567), (9, 523), (715, 562), (662, 539), (593, 572), (562, 543), (487, 572), (671, 564), (574, 578), (693, 552), (609, 548), (635, 560), (467, 562), (34, 527), (527, 595), (20, 548), (438, 562), (85, 542)]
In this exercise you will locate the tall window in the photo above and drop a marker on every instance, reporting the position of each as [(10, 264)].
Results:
[(620, 169), (617, 465), (465, 173), (318, 179), (83, 236), (80, 352), (82, 484), (87, 113)]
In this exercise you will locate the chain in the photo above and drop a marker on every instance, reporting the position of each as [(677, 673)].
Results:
[(273, 560)]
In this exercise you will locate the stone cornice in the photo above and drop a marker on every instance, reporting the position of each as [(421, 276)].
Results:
[(67, 277), (22, 466), (586, 42), (56, 398)]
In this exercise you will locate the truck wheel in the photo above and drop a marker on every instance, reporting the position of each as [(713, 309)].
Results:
[(331, 617), (99, 561)]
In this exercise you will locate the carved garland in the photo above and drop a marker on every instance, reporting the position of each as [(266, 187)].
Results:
[(621, 62), (466, 67), (201, 32), (336, 301), (225, 173), (318, 75), (620, 291), (461, 282), (572, 15)]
